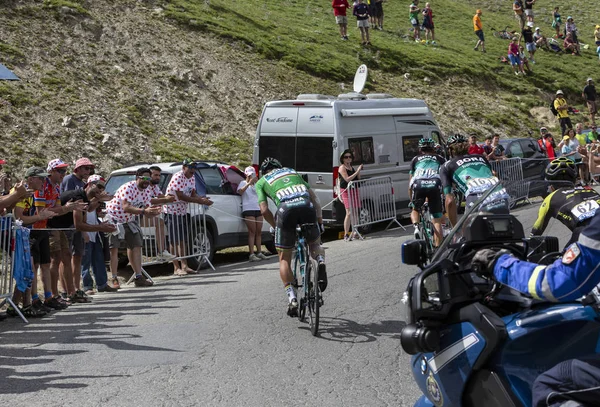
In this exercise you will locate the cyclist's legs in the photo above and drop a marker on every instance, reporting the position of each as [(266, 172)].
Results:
[(451, 208), (434, 199), (414, 214)]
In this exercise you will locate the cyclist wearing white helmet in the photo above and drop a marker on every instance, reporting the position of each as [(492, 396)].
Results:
[(296, 205)]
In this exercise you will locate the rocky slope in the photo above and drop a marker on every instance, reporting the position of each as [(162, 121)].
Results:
[(116, 81)]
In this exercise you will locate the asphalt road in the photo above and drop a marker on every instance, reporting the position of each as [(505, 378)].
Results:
[(222, 338)]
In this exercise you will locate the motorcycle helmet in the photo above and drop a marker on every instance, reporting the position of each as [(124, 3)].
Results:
[(268, 164), (561, 169), (427, 143), (456, 139)]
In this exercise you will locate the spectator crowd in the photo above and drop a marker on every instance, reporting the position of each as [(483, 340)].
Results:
[(74, 227)]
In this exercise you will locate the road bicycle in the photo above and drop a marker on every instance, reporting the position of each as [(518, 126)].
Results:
[(306, 276), (425, 228), (504, 34)]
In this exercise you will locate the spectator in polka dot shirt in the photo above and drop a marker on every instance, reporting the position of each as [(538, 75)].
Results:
[(158, 198), (183, 187), (131, 199)]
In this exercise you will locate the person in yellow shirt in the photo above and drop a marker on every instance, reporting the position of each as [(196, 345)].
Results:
[(478, 28), (562, 107)]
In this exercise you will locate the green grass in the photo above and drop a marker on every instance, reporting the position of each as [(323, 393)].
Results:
[(302, 34), (73, 5)]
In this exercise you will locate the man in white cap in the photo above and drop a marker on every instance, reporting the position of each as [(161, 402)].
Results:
[(251, 213), (589, 94), (540, 40), (562, 109)]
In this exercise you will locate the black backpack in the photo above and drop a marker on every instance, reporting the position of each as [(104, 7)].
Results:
[(553, 109)]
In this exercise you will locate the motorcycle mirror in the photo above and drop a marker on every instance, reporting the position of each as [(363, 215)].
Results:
[(414, 252)]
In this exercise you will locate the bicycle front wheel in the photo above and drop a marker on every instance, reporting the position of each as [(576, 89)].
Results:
[(314, 295)]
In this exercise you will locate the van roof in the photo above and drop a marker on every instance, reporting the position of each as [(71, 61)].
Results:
[(353, 104)]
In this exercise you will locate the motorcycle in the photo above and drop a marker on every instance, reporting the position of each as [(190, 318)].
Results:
[(476, 342)]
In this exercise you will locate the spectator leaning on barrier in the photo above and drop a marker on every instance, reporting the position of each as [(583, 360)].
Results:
[(590, 95), (582, 138), (562, 107), (29, 212), (83, 169), (131, 199), (487, 146), (158, 198), (478, 28), (546, 143), (183, 187), (251, 214), (341, 19), (87, 222)]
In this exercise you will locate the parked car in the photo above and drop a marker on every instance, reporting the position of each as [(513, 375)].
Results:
[(224, 222), (533, 161)]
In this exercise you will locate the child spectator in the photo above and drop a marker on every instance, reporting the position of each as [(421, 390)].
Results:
[(487, 147), (597, 35), (478, 28), (428, 24), (556, 22), (361, 11), (339, 11), (413, 16), (523, 57), (514, 58)]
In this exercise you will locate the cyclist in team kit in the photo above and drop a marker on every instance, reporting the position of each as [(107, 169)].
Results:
[(296, 205), (472, 176), (574, 206), (424, 183)]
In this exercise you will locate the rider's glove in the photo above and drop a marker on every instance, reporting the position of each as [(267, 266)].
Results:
[(321, 228), (484, 260), (272, 230)]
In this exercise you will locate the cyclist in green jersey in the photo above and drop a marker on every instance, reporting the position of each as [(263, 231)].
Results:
[(425, 184), (296, 204), (473, 176)]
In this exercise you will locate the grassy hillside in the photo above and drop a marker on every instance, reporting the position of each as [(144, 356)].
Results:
[(127, 80)]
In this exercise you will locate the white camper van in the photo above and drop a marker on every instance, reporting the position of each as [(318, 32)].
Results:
[(310, 133)]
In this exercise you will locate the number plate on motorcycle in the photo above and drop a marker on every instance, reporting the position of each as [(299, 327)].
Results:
[(585, 210)]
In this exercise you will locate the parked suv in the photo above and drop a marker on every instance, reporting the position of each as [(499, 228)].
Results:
[(225, 226)]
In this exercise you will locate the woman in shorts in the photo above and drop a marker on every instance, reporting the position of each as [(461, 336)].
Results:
[(251, 214), (349, 194)]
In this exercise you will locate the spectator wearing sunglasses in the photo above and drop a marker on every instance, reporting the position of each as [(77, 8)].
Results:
[(131, 199), (183, 187), (350, 196)]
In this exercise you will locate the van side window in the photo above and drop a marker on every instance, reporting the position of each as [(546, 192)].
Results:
[(282, 148), (515, 150), (410, 147), (362, 148), (313, 154), (436, 136)]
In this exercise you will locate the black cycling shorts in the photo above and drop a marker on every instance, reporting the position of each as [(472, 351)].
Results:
[(430, 189), (39, 241), (290, 214)]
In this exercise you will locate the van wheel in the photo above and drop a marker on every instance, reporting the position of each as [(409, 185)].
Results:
[(365, 216), (201, 245), (270, 245)]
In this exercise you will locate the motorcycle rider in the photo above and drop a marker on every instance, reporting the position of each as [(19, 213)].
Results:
[(567, 279), (472, 175), (573, 206), (296, 204), (424, 183)]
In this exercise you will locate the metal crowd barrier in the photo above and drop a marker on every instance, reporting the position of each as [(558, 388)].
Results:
[(510, 171), (184, 237), (7, 259), (372, 201)]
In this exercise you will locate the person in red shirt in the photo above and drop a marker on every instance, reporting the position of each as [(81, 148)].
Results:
[(339, 11), (546, 144), (475, 148)]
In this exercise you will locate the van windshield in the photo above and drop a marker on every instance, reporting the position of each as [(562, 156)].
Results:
[(308, 154)]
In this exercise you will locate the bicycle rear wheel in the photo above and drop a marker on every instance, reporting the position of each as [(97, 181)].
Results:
[(314, 295), (299, 283)]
